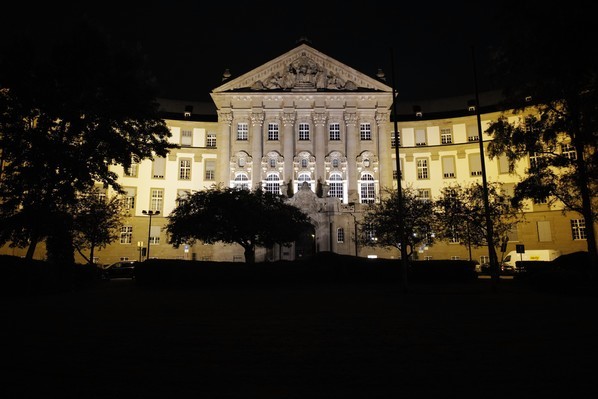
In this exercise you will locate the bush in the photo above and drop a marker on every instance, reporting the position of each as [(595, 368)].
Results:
[(443, 270), (570, 273), (22, 276)]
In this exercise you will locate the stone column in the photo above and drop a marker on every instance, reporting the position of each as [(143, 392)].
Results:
[(384, 150), (288, 121), (320, 144), (352, 144), (225, 119), (257, 147)]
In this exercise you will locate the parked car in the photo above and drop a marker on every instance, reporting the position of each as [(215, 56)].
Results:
[(120, 269)]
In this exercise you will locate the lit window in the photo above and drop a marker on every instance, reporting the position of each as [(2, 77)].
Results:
[(126, 234), (335, 186), (241, 181), (534, 159), (242, 131), (272, 131), (446, 136), (273, 183), (340, 235), (129, 201), (568, 151), (211, 140), (157, 199), (184, 169), (578, 229), (365, 131), (304, 178), (423, 194), (334, 131), (303, 131), (132, 170), (422, 168), (367, 189)]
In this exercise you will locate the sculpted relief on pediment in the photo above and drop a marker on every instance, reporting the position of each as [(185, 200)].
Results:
[(304, 74)]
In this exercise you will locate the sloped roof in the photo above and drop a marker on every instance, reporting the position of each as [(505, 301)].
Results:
[(303, 69)]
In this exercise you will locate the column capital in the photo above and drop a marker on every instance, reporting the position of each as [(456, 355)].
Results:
[(225, 117), (350, 118), (288, 118), (319, 118), (382, 118), (257, 118)]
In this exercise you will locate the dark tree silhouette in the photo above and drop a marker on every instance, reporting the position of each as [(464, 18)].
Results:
[(234, 216), (548, 68), (97, 222), (460, 214), (67, 115), (380, 226)]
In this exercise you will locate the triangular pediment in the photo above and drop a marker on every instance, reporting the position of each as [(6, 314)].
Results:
[(303, 69)]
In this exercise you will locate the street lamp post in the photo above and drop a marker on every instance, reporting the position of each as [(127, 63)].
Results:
[(149, 213), (140, 248), (355, 234)]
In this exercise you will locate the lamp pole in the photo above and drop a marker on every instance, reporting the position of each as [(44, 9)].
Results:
[(401, 222), (355, 234), (494, 267), (149, 213), (140, 248)]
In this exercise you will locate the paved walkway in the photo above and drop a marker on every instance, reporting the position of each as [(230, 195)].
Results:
[(320, 341)]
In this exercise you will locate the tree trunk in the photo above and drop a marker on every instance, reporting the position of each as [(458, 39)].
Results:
[(31, 248), (59, 244), (586, 200), (249, 254)]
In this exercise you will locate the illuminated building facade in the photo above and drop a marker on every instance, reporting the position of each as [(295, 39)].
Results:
[(309, 127)]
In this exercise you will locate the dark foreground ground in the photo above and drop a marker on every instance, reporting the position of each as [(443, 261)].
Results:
[(371, 340)]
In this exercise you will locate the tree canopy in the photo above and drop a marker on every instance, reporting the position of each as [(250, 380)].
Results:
[(249, 218), (461, 216), (67, 113), (96, 222), (548, 69), (382, 221)]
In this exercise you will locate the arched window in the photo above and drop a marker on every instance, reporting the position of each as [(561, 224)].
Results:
[(241, 181), (272, 184), (304, 178), (336, 187), (367, 189)]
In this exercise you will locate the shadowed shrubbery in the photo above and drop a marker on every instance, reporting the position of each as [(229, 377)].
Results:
[(22, 276), (570, 273), (443, 270), (320, 268)]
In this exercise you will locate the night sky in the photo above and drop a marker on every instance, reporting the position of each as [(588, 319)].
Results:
[(190, 44)]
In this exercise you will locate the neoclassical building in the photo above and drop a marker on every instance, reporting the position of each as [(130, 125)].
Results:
[(309, 127)]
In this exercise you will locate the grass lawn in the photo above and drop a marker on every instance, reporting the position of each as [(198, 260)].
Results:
[(324, 340)]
